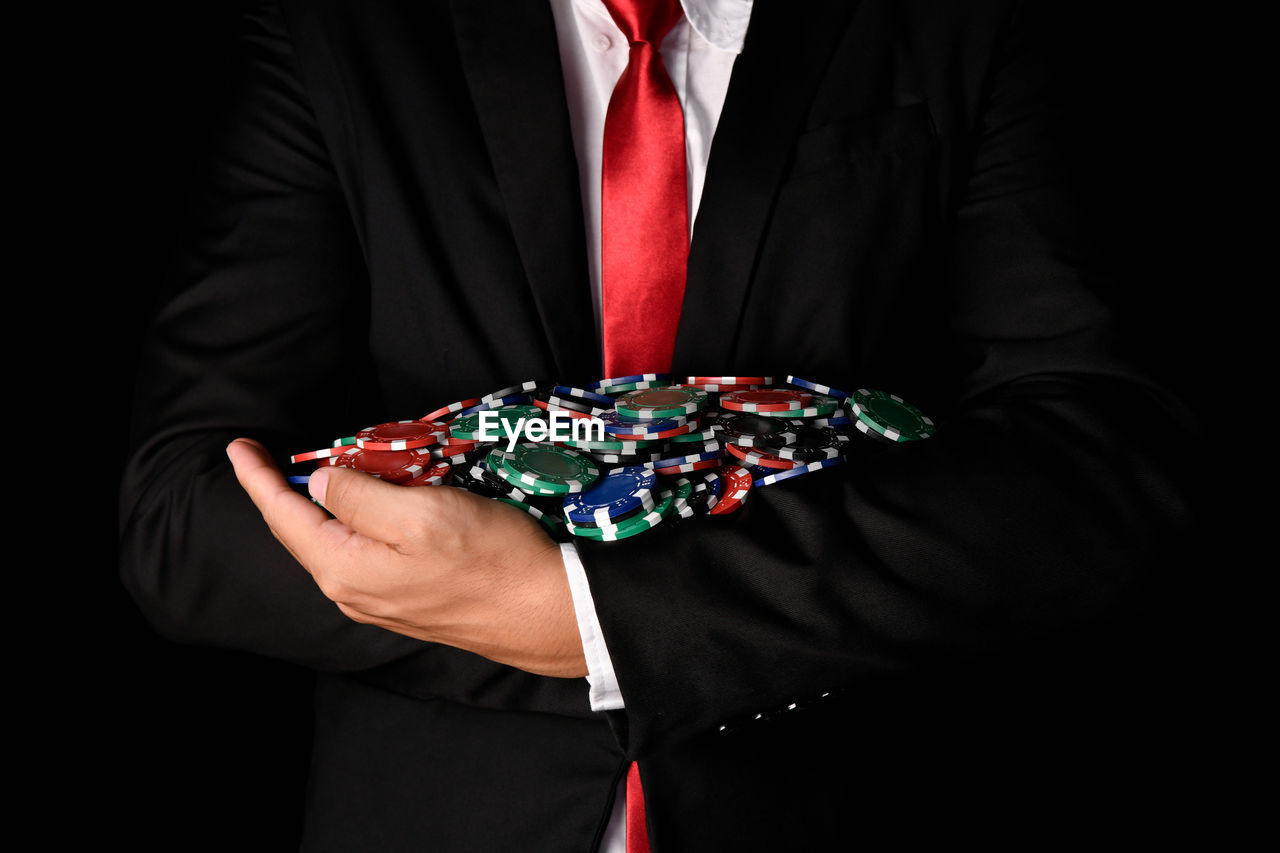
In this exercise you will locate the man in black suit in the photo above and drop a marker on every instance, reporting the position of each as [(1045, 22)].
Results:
[(394, 220)]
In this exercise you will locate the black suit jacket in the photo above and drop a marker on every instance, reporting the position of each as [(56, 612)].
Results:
[(391, 220)]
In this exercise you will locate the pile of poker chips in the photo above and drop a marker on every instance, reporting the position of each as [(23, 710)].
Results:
[(671, 450)]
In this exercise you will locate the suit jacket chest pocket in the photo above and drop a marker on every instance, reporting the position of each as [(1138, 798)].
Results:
[(864, 141), (852, 233)]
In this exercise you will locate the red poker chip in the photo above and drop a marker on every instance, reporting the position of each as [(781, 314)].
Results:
[(451, 409), (719, 389), (737, 487), (453, 440), (453, 449), (400, 435), (437, 475), (729, 380), (690, 426), (394, 466), (691, 466), (314, 455), (766, 400), (759, 457)]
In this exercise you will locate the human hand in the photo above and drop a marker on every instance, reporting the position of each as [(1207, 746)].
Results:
[(439, 564)]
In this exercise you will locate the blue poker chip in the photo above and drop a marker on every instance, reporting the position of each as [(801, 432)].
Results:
[(299, 479), (673, 461), (818, 386), (584, 394), (616, 424), (616, 493), (777, 476), (627, 380), (575, 404), (617, 520)]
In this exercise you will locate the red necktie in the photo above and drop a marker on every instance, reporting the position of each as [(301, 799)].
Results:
[(644, 199), (637, 831)]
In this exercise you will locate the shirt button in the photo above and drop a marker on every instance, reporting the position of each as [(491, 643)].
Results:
[(601, 42)]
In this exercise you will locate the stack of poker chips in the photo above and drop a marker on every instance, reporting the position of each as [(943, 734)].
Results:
[(670, 450)]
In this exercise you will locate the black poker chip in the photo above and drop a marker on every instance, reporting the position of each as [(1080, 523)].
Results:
[(808, 444), (750, 430)]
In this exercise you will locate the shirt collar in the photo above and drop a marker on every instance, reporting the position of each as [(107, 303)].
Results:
[(723, 23)]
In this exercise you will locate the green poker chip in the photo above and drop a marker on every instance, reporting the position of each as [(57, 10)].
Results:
[(630, 527), (493, 462), (551, 522), (557, 470), (821, 400), (701, 437), (657, 403), (467, 427), (890, 415), (682, 490), (632, 386), (810, 411)]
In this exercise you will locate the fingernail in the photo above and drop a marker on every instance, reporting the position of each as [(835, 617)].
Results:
[(316, 485)]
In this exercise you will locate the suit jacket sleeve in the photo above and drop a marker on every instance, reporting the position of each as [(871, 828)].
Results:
[(1040, 507), (262, 331)]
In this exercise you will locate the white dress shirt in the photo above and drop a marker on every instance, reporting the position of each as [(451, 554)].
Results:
[(698, 54)]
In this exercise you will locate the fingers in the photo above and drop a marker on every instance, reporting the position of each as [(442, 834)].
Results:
[(301, 526), (268, 489), (371, 507)]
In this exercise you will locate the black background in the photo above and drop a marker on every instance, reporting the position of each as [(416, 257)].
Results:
[(214, 743)]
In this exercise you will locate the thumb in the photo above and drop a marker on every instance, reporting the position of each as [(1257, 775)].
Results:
[(370, 506)]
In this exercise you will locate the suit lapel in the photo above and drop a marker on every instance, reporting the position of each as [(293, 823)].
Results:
[(787, 50), (512, 64)]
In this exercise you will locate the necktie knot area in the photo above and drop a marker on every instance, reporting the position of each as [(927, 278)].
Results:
[(645, 21)]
